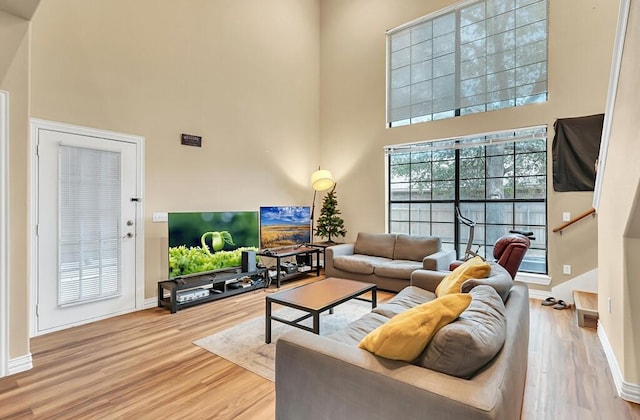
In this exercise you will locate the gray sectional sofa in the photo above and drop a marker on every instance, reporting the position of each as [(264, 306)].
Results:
[(458, 376), (386, 259)]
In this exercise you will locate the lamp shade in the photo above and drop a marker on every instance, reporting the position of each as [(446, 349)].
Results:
[(321, 180)]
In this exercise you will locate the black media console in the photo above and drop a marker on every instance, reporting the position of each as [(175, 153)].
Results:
[(296, 251), (194, 290)]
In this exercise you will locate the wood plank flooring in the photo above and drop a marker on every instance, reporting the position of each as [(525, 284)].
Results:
[(144, 365)]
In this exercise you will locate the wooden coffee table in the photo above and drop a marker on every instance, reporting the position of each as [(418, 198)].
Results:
[(315, 298)]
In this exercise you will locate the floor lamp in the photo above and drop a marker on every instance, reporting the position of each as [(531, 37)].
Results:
[(321, 180)]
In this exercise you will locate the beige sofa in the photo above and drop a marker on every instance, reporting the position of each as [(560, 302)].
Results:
[(386, 259), (329, 377)]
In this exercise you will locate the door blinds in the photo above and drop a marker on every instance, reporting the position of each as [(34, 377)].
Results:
[(89, 234)]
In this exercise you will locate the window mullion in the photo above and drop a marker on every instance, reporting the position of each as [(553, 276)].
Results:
[(456, 203), (458, 76), (410, 193)]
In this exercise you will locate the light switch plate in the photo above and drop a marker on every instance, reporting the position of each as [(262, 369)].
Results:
[(566, 216), (160, 217)]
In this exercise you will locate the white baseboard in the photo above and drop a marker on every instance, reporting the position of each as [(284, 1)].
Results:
[(20, 364), (586, 282), (627, 391), (539, 294), (630, 392), (541, 279), (150, 303)]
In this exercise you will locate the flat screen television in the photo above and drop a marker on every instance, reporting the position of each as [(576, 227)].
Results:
[(201, 242), (282, 226)]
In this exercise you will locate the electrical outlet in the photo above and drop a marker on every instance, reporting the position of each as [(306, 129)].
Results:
[(609, 304), (160, 217), (566, 216), (566, 269)]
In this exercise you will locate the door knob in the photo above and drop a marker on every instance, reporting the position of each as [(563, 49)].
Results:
[(129, 222), (128, 235)]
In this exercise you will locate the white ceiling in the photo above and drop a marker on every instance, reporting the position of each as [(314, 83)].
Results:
[(20, 8)]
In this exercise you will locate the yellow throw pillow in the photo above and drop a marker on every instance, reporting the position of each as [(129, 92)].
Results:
[(407, 334), (475, 268)]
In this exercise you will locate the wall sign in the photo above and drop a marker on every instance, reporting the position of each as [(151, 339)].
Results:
[(191, 140)]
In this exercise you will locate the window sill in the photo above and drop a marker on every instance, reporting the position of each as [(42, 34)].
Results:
[(541, 279)]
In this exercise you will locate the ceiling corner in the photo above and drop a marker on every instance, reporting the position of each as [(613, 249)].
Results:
[(21, 8)]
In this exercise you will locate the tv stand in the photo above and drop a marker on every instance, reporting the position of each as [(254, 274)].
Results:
[(281, 253), (184, 292)]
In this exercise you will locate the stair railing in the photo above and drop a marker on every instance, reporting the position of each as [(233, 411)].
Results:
[(565, 225)]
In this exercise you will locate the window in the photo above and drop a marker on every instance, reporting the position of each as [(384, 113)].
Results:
[(473, 57), (498, 180)]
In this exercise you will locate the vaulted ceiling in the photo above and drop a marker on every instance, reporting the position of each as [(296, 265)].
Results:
[(21, 8)]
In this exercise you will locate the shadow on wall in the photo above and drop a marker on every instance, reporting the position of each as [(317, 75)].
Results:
[(20, 8), (631, 286), (13, 32)]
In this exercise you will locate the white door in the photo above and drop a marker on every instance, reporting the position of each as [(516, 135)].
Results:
[(86, 242)]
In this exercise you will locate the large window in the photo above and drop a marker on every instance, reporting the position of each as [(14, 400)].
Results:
[(473, 57), (498, 180)]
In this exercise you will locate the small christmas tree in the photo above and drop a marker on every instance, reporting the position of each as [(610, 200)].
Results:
[(329, 223)]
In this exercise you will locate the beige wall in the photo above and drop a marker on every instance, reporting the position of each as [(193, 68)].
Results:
[(244, 75), (353, 129), (14, 67), (619, 214)]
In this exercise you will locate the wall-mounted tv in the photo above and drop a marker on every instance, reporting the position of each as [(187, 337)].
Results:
[(282, 226), (209, 241)]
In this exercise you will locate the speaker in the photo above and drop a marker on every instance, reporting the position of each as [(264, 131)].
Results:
[(248, 261), (304, 259)]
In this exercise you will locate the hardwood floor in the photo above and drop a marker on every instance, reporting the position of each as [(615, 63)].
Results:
[(144, 365), (568, 376)]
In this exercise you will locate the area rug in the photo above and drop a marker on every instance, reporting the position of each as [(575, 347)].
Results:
[(244, 344)]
